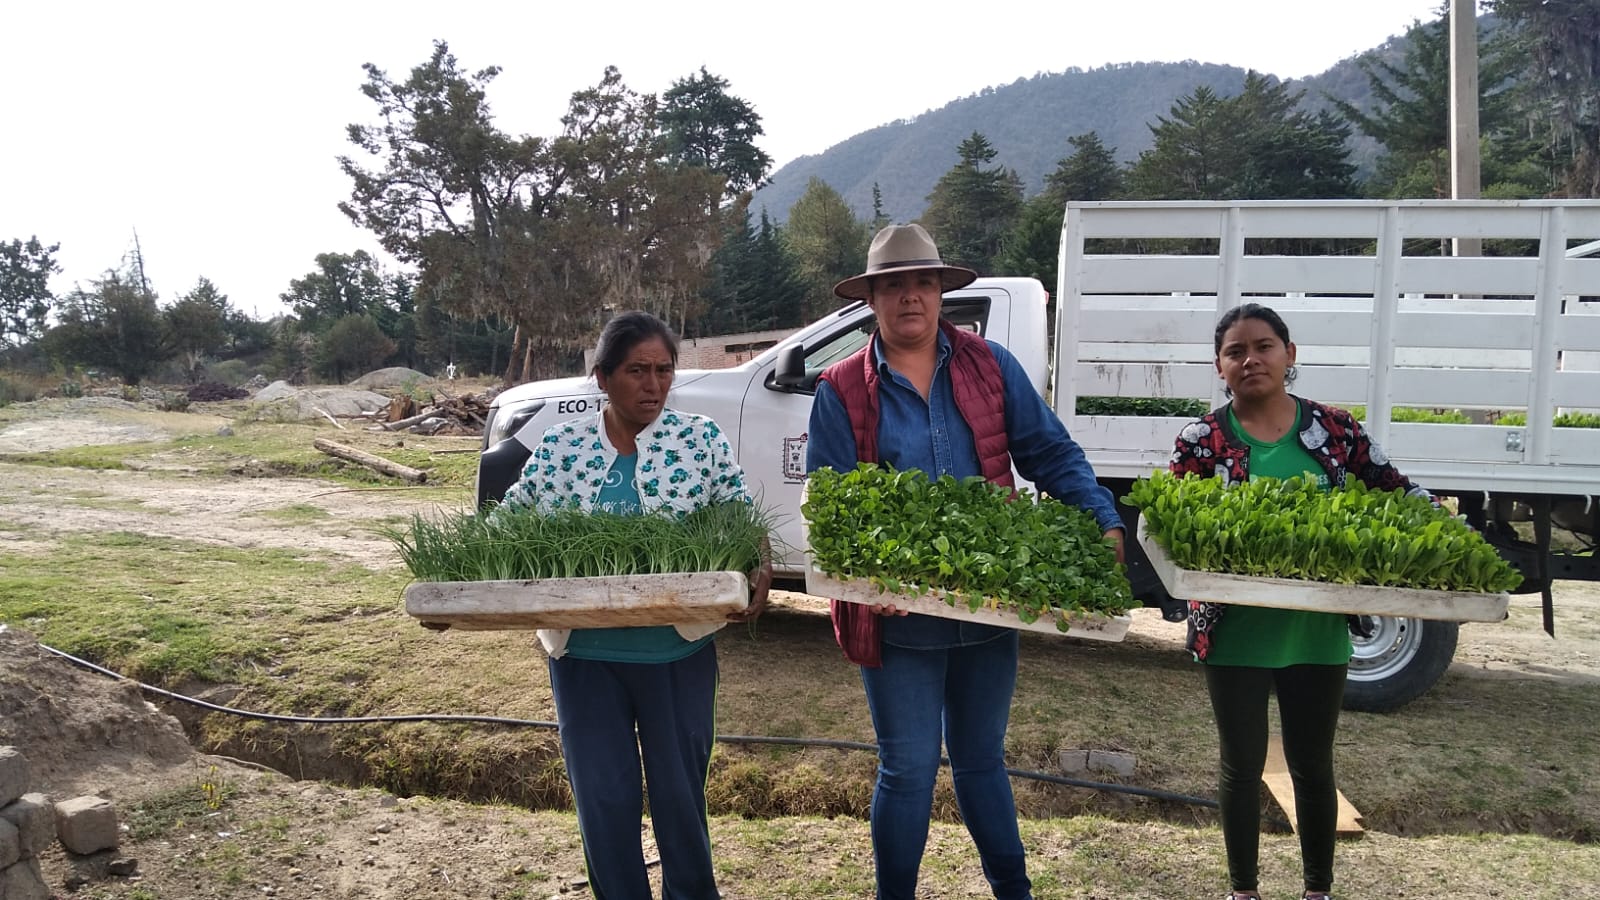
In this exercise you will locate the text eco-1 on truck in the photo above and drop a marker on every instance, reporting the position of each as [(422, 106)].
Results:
[(1382, 321)]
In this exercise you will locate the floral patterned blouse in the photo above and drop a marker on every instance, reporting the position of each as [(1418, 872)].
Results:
[(685, 463)]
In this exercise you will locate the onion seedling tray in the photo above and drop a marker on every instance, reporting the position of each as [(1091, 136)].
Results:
[(933, 603), (1320, 596), (607, 601)]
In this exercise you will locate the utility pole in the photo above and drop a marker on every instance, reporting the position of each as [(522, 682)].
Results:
[(1464, 176)]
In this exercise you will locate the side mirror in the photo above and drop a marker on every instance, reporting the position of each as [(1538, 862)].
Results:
[(791, 371)]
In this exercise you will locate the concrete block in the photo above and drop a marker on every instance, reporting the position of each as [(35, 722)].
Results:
[(1074, 762), (14, 774), (34, 820), (24, 881), (10, 846), (87, 824), (1112, 761)]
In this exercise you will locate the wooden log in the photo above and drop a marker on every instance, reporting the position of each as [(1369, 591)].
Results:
[(412, 420), (376, 463)]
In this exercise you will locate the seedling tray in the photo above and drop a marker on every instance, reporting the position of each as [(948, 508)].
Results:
[(1320, 596), (609, 601), (862, 590)]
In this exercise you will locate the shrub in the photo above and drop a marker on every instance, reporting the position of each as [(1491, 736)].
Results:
[(71, 389), (1142, 406), (230, 371), (173, 402), (15, 391)]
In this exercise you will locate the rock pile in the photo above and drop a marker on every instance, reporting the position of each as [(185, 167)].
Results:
[(29, 822)]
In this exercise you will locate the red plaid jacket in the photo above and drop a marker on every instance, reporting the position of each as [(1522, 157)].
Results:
[(1208, 446)]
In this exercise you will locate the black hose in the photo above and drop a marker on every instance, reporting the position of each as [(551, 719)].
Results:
[(537, 723)]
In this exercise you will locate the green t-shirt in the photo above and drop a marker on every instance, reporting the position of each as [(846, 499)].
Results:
[(642, 643), (1263, 637)]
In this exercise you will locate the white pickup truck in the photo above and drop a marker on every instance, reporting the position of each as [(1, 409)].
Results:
[(1382, 320)]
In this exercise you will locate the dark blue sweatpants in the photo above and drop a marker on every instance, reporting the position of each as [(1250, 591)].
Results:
[(612, 715)]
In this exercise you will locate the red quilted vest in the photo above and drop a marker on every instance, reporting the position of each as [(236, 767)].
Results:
[(980, 397)]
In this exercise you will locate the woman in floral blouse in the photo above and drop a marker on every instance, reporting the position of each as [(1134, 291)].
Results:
[(644, 694)]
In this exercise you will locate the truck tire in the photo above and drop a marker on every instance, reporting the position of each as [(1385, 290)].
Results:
[(1398, 663)]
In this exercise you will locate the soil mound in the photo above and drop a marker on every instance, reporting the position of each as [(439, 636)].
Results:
[(80, 731)]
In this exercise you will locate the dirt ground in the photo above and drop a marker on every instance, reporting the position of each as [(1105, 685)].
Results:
[(86, 734)]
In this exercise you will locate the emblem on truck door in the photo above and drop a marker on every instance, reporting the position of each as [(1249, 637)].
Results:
[(794, 458)]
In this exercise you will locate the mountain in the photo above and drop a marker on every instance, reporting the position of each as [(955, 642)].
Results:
[(1029, 122)]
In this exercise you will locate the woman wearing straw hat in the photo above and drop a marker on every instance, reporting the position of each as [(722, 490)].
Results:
[(925, 395)]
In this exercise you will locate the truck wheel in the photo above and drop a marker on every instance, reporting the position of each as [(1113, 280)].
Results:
[(1398, 663)]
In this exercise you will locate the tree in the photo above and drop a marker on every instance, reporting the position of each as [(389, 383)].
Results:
[(703, 125), (354, 344), (342, 284), (1031, 248), (754, 284), (195, 326), (467, 203), (972, 207), (1556, 40), (1411, 113), (1255, 145), (1090, 173), (879, 221), (25, 297), (827, 241), (115, 326)]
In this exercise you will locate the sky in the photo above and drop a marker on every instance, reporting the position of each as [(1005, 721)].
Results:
[(212, 129)]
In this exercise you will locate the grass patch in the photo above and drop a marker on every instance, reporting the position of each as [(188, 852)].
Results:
[(297, 514)]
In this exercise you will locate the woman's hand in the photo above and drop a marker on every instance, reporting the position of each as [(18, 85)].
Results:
[(889, 609), (1115, 536), (760, 585)]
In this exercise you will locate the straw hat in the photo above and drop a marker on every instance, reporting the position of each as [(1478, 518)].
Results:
[(902, 248)]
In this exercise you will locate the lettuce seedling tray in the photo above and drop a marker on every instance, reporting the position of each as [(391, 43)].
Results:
[(1320, 596), (933, 603), (608, 601)]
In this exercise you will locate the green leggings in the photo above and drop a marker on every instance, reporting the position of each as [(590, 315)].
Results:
[(1309, 698)]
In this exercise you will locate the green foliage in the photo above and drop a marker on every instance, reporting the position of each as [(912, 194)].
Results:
[(1565, 420), (1293, 529), (72, 389), (1090, 173), (1412, 414), (13, 390), (755, 284), (973, 208), (353, 345), (232, 372), (516, 543), (341, 285), (195, 326), (115, 326), (1409, 114), (703, 125), (1253, 146), (1141, 406), (908, 534), (1559, 86), (1032, 248), (827, 243), (25, 297)]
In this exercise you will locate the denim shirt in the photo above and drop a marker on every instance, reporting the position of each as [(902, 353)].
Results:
[(932, 436)]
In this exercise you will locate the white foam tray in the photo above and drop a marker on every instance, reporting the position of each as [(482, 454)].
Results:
[(1320, 596), (609, 601)]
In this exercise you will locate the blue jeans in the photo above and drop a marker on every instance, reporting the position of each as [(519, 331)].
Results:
[(965, 692)]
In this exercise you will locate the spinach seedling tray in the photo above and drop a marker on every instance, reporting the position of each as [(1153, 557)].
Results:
[(1320, 596), (607, 601), (934, 603)]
